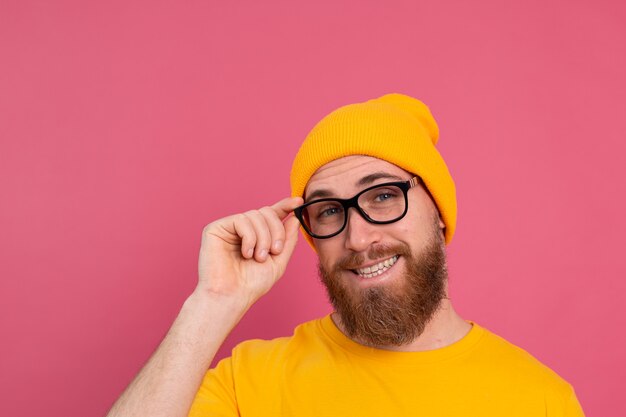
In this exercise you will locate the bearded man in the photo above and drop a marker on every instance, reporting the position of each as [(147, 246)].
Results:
[(377, 203)]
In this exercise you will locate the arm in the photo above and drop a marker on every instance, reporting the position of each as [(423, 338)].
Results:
[(241, 258)]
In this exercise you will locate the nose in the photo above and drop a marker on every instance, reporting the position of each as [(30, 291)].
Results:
[(360, 234)]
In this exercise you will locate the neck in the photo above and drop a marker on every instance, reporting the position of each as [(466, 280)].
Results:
[(445, 328)]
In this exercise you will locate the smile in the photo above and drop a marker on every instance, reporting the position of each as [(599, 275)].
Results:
[(377, 269)]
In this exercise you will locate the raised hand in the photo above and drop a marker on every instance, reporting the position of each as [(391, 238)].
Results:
[(242, 256)]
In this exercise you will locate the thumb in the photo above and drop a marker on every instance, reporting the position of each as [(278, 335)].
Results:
[(291, 238)]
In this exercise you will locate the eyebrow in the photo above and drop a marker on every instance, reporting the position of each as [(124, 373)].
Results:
[(366, 180)]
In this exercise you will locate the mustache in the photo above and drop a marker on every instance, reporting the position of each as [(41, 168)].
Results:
[(355, 260)]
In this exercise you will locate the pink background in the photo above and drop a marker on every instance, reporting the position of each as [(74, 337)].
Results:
[(125, 127)]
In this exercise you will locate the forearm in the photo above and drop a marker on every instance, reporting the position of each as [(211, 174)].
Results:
[(167, 384)]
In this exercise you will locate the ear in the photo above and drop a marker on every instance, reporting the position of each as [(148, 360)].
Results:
[(442, 225)]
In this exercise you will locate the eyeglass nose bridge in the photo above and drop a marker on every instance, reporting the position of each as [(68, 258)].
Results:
[(354, 203)]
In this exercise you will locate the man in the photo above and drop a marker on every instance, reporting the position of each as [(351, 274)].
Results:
[(377, 203)]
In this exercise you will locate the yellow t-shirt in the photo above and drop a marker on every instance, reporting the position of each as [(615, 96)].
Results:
[(320, 372)]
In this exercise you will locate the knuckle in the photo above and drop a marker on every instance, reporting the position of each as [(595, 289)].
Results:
[(252, 215), (241, 218), (208, 229), (252, 212), (271, 216)]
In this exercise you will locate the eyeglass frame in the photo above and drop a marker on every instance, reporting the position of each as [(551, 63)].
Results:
[(348, 203)]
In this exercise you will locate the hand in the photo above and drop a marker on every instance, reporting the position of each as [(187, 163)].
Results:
[(243, 255)]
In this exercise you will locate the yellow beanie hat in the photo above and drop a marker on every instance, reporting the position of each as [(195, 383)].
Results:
[(396, 128)]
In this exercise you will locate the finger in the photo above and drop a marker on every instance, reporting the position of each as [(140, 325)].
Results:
[(245, 230), (286, 206), (276, 227), (291, 238), (262, 232)]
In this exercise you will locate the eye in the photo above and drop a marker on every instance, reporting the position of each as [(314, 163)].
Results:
[(329, 212), (384, 195)]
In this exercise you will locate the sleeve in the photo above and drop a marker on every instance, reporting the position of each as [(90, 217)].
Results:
[(216, 396)]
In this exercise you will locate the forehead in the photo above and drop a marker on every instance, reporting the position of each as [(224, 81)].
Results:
[(342, 176)]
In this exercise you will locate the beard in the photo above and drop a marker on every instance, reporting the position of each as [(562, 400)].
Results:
[(389, 314)]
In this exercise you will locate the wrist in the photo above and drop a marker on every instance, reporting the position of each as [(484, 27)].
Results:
[(211, 303)]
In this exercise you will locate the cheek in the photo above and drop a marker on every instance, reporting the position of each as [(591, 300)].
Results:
[(415, 231), (327, 251), (406, 227)]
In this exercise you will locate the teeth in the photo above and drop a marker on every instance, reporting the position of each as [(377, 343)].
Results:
[(379, 268)]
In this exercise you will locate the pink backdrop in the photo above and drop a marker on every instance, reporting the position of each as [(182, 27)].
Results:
[(126, 126)]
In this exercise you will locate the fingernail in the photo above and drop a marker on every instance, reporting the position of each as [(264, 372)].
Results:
[(249, 253), (278, 245), (263, 254)]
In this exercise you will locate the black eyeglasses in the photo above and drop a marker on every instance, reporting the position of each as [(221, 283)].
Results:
[(381, 204)]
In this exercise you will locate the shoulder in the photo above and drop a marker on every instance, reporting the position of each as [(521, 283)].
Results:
[(503, 357), (268, 352)]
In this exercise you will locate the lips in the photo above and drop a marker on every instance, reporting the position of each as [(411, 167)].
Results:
[(376, 269)]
